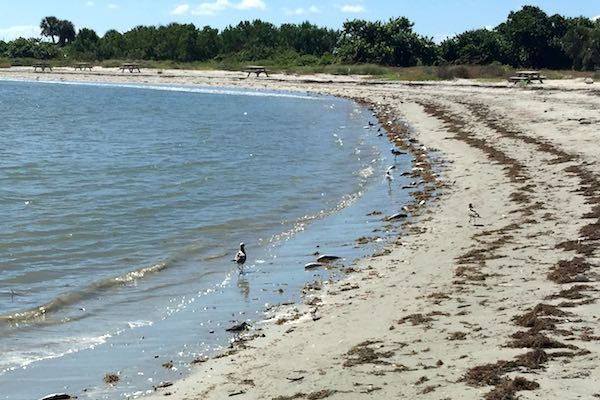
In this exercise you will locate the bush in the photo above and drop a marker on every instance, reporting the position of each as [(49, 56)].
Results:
[(453, 71)]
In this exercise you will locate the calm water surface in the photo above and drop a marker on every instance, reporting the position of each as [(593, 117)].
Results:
[(123, 205)]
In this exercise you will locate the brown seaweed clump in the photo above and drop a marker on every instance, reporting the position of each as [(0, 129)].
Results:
[(416, 319), (487, 374), (573, 293), (508, 388), (362, 353), (567, 271), (111, 379), (534, 359), (536, 340), (532, 320), (321, 394)]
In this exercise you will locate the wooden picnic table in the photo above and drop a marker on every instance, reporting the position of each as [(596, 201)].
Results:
[(82, 66), (527, 77), (256, 69), (42, 66), (130, 67)]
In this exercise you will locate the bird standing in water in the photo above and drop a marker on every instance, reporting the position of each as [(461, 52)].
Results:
[(473, 214), (388, 175), (396, 153), (240, 257)]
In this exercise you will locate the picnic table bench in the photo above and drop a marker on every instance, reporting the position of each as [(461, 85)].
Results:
[(82, 66), (527, 77), (130, 67), (256, 69), (43, 67)]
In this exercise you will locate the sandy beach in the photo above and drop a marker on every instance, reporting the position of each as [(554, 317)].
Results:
[(461, 306)]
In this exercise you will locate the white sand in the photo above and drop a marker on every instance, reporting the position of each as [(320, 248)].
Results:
[(506, 149)]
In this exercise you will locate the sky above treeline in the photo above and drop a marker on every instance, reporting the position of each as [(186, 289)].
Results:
[(434, 18)]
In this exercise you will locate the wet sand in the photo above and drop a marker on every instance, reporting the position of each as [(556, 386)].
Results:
[(457, 307)]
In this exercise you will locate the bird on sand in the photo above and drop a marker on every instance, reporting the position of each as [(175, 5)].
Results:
[(238, 329), (240, 257), (473, 214)]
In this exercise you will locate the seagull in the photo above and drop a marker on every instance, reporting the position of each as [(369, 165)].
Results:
[(473, 214), (240, 257), (396, 153)]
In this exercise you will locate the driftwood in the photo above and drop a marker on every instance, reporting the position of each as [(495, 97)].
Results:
[(396, 216), (58, 396), (327, 258), (313, 265)]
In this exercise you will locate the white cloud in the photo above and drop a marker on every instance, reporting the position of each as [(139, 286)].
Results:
[(216, 6), (251, 4), (302, 11), (181, 9), (89, 3), (113, 6), (596, 18), (296, 11), (211, 8), (352, 8), (14, 32)]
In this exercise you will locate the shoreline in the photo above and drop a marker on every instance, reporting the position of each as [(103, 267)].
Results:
[(453, 310)]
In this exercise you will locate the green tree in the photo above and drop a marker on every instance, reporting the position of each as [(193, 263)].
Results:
[(208, 43), (86, 43), (534, 38), (363, 42), (140, 43), (21, 48), (3, 48), (392, 43), (250, 40), (111, 45), (30, 48), (307, 38), (176, 42), (66, 32), (582, 44), (479, 46), (50, 26)]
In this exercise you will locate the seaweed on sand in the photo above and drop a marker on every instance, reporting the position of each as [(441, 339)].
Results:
[(362, 353)]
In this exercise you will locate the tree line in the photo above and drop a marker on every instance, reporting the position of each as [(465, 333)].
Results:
[(528, 38)]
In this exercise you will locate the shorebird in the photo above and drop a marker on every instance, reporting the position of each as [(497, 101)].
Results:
[(396, 153), (240, 257), (388, 174), (473, 214), (238, 329)]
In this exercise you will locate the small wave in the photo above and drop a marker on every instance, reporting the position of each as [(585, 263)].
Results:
[(300, 224), (366, 172), (12, 360), (71, 298), (139, 324), (185, 89)]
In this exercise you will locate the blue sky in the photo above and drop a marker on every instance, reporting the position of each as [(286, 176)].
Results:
[(435, 18)]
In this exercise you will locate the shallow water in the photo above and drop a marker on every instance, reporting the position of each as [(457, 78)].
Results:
[(123, 206)]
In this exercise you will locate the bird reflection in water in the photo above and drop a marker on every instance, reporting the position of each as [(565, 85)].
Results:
[(244, 286)]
